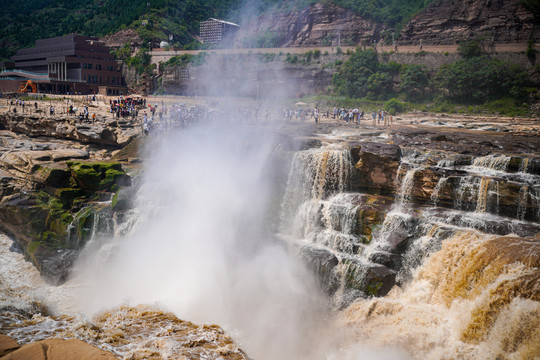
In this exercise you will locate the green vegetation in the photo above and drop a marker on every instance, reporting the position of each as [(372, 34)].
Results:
[(470, 48), (98, 175), (478, 83), (393, 106), (26, 21), (481, 79), (363, 76), (414, 81), (531, 51), (186, 59)]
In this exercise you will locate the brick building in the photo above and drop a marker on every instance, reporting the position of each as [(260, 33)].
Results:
[(218, 32), (65, 64)]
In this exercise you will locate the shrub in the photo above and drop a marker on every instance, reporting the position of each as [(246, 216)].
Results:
[(481, 79), (414, 81), (393, 106), (470, 48)]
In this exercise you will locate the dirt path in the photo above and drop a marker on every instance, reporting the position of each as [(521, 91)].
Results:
[(161, 55)]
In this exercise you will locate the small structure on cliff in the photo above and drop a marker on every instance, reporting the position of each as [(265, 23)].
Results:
[(218, 32)]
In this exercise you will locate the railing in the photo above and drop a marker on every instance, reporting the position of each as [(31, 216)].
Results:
[(25, 72), (36, 76)]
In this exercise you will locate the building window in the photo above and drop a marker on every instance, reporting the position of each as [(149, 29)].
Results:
[(90, 66)]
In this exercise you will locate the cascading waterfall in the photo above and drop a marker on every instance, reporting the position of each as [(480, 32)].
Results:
[(524, 165), (437, 189), (315, 174), (494, 162), (480, 194), (461, 302), (190, 244), (522, 202), (407, 185)]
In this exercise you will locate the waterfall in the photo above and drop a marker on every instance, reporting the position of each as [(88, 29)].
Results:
[(479, 194), (482, 198), (522, 202), (494, 162), (407, 186), (314, 175), (462, 298), (524, 165), (437, 189)]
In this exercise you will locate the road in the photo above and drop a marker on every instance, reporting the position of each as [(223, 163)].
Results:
[(159, 55)]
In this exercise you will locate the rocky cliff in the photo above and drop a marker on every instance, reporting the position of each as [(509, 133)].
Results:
[(249, 75), (57, 181), (321, 24), (447, 21)]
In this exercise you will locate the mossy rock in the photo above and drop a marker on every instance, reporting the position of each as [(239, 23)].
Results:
[(99, 175), (123, 199), (68, 195)]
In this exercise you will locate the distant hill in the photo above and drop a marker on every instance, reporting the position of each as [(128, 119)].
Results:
[(269, 22), (23, 22)]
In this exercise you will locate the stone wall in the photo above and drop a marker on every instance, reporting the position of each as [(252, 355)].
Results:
[(249, 74)]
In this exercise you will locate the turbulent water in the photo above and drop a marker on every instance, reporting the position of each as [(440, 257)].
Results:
[(217, 238)]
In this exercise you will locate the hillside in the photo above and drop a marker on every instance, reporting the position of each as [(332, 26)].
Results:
[(23, 22), (268, 23), (26, 21)]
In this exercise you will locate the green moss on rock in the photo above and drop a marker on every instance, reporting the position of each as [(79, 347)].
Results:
[(99, 175)]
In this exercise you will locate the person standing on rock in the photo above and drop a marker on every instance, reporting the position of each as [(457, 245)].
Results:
[(93, 118)]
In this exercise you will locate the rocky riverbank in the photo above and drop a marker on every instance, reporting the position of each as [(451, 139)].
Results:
[(363, 206), (58, 177)]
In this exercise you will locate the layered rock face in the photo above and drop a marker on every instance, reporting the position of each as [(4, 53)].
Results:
[(247, 75), (367, 211), (321, 24), (57, 180), (446, 22)]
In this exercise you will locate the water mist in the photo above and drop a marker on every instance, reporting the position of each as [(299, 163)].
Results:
[(200, 250)]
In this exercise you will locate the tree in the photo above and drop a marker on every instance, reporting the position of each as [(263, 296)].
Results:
[(352, 78), (470, 48), (379, 86), (482, 79), (414, 81)]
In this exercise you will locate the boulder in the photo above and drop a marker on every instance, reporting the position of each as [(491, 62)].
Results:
[(7, 345), (370, 278), (59, 349), (376, 166), (322, 262)]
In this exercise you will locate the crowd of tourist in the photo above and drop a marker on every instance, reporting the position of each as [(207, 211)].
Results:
[(166, 117)]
